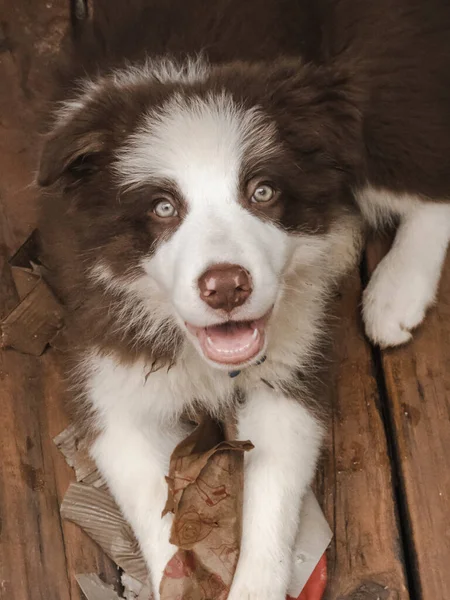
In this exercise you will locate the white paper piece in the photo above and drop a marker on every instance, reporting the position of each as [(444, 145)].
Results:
[(312, 540), (131, 587), (134, 589)]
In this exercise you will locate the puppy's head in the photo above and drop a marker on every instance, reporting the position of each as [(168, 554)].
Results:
[(195, 192)]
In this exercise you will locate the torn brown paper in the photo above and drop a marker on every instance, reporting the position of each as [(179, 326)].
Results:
[(205, 495)]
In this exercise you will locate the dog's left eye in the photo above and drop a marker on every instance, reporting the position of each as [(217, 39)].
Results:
[(165, 209), (263, 193)]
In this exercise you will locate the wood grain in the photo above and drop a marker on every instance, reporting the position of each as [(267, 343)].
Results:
[(32, 552), (365, 559), (39, 555), (30, 33), (417, 378)]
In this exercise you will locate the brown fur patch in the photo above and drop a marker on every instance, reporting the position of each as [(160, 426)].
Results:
[(359, 93)]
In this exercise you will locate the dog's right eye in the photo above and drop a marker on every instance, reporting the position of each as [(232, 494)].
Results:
[(263, 193), (164, 209)]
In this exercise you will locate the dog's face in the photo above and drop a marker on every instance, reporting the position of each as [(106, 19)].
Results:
[(195, 198)]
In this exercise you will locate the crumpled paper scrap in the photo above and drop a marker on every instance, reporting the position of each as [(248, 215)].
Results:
[(206, 479)]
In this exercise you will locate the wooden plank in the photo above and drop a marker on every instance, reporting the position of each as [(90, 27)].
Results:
[(39, 555), (417, 378), (32, 553), (355, 482), (30, 33)]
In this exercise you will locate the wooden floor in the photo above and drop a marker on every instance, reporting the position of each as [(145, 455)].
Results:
[(384, 479)]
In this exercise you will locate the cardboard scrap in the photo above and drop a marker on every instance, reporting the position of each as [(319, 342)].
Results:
[(94, 588), (30, 327), (96, 512), (38, 316), (24, 279), (28, 252), (206, 479), (75, 451), (134, 589)]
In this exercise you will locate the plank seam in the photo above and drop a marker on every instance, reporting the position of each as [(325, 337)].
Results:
[(402, 513)]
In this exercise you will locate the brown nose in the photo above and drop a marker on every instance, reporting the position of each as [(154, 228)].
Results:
[(225, 286)]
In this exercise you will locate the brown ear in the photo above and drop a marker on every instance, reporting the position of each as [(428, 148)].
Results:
[(321, 108), (70, 149)]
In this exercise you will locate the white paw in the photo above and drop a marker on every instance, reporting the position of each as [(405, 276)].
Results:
[(158, 552), (248, 592), (256, 582), (395, 302)]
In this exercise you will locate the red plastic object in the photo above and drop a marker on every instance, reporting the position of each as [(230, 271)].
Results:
[(317, 583)]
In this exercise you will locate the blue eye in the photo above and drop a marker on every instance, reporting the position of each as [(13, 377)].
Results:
[(263, 193), (165, 209)]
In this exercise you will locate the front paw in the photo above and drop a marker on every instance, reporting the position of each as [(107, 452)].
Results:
[(394, 303), (247, 592), (158, 552), (258, 583)]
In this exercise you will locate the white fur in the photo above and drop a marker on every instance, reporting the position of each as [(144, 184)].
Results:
[(87, 91), (163, 69), (406, 281), (287, 439), (200, 146), (137, 419), (298, 298), (133, 449), (197, 142)]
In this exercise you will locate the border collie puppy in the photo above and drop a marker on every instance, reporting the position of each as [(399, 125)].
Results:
[(205, 189)]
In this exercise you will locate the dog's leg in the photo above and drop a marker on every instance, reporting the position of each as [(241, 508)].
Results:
[(405, 282), (278, 470), (132, 452), (130, 460)]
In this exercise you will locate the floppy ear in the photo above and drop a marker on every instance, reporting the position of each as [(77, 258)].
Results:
[(320, 109), (70, 150)]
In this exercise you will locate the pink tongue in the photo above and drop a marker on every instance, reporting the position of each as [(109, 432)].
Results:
[(232, 343), (230, 337)]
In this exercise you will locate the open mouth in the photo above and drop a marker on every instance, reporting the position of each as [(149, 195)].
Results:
[(231, 343)]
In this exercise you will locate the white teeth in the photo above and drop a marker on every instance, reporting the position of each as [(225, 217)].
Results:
[(255, 334), (229, 352)]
